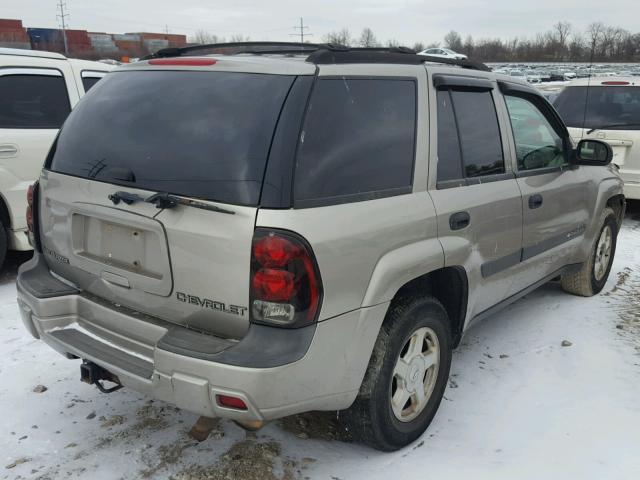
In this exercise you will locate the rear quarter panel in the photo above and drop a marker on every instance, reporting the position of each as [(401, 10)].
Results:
[(366, 250)]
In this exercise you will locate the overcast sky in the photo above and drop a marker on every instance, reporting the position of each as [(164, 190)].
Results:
[(407, 21)]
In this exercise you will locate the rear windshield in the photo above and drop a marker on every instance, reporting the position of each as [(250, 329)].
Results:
[(197, 134), (616, 107)]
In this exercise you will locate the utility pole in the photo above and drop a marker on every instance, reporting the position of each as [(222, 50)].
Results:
[(63, 16), (166, 28), (302, 33)]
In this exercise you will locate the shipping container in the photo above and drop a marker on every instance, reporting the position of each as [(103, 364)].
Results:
[(20, 45), (126, 37), (9, 23)]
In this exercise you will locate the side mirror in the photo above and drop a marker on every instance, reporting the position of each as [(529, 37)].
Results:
[(593, 152)]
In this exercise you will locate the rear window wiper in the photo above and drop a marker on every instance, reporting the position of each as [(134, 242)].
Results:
[(615, 125), (164, 200)]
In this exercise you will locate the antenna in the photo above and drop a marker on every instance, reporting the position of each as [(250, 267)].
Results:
[(62, 16), (302, 27), (586, 100)]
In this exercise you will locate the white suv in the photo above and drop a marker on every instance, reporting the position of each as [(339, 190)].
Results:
[(37, 92), (607, 109)]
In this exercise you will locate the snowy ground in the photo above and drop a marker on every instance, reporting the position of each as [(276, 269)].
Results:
[(519, 405)]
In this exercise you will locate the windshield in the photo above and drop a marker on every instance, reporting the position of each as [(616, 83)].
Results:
[(619, 106), (197, 134)]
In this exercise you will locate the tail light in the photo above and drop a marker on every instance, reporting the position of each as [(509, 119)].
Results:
[(32, 194), (231, 402), (285, 282)]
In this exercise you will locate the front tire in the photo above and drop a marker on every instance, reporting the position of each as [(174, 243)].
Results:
[(590, 279), (406, 377)]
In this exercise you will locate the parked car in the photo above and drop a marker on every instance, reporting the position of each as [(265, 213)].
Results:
[(37, 92), (533, 77), (443, 53), (609, 110), (315, 233)]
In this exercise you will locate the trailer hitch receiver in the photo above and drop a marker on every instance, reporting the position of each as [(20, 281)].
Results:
[(93, 374)]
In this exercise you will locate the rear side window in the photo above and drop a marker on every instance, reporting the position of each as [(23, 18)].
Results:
[(357, 142), (192, 133), (88, 82), (449, 154), (33, 101), (615, 107), (469, 142)]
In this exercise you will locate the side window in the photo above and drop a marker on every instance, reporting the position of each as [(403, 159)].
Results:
[(469, 143), (88, 82), (537, 143), (358, 140), (449, 154), (33, 101), (89, 79)]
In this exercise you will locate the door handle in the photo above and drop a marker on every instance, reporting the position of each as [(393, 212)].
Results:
[(459, 220), (535, 201), (8, 150)]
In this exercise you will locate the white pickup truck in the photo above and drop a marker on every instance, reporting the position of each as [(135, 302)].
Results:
[(37, 92)]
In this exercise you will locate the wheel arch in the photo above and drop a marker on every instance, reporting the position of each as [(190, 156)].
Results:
[(5, 216), (450, 286), (618, 204)]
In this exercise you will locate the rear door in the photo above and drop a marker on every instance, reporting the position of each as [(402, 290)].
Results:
[(205, 149), (476, 197), (36, 95)]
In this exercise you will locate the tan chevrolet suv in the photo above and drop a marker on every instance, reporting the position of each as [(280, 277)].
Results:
[(255, 230)]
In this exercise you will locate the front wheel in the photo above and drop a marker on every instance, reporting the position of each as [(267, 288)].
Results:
[(406, 377), (590, 279)]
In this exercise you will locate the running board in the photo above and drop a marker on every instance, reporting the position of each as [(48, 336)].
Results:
[(102, 354), (509, 300)]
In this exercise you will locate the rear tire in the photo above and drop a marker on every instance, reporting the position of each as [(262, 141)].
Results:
[(590, 279), (406, 377), (4, 241)]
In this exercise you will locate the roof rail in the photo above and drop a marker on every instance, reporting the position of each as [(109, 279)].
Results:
[(398, 55), (321, 53), (237, 47)]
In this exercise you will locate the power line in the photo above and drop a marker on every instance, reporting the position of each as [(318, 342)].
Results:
[(63, 24), (302, 33)]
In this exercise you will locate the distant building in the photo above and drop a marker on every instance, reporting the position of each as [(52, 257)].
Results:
[(83, 44)]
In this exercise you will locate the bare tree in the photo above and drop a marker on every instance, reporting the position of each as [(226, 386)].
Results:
[(203, 37), (418, 47), (392, 43), (594, 35), (467, 48), (453, 41), (339, 37), (367, 38), (562, 31), (238, 37)]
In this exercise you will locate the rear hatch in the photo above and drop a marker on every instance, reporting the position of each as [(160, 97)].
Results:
[(203, 138), (606, 110)]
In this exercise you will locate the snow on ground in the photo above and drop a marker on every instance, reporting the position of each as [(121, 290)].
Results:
[(519, 405)]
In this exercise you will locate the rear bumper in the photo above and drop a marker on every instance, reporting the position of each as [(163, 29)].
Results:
[(277, 372), (632, 190), (19, 240)]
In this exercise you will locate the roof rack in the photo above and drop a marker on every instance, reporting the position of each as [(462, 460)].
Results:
[(320, 53)]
